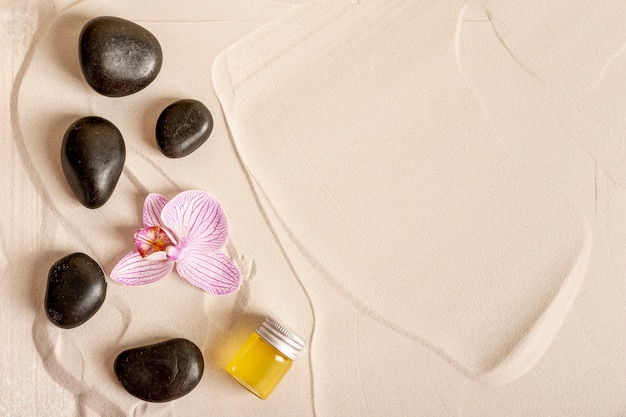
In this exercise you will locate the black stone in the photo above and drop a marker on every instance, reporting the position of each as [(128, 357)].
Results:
[(118, 57), (183, 127), (160, 372), (76, 290), (92, 156)]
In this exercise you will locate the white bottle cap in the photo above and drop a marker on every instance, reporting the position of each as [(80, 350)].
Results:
[(281, 338)]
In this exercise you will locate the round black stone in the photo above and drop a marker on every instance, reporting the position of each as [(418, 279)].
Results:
[(118, 57), (183, 127), (160, 372), (92, 157), (76, 290)]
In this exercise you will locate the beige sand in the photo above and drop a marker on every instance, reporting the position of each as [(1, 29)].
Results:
[(431, 193)]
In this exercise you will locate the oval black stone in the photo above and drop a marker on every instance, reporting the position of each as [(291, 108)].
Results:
[(92, 156), (183, 127), (118, 57), (76, 290), (162, 371)]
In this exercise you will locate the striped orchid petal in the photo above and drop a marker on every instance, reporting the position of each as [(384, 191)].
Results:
[(196, 219), (213, 272), (133, 269), (152, 207)]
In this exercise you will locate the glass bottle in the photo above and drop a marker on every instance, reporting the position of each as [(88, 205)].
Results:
[(265, 357)]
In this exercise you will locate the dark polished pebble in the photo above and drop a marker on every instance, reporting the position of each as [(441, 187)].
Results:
[(92, 156), (162, 371), (183, 127), (76, 290), (118, 57)]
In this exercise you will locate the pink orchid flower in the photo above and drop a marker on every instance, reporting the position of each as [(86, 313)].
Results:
[(188, 232)]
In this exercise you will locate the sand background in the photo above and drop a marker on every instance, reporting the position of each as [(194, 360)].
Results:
[(433, 195)]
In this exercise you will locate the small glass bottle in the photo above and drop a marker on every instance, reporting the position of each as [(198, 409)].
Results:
[(265, 357)]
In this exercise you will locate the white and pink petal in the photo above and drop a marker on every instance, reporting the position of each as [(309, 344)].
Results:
[(214, 272), (196, 219), (152, 207), (133, 269)]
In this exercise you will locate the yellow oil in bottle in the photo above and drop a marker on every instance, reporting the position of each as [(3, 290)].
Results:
[(265, 357)]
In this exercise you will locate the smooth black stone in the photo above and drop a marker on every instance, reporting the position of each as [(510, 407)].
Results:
[(92, 156), (160, 372), (118, 57), (183, 127), (76, 290)]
